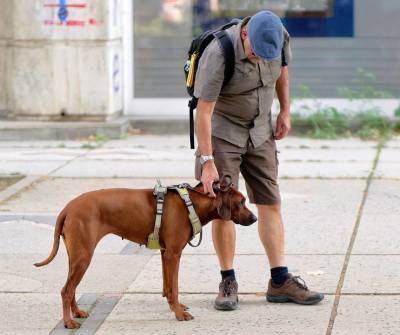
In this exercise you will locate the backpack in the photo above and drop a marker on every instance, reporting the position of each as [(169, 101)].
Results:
[(195, 52)]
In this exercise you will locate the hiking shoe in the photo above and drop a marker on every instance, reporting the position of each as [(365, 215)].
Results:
[(294, 289), (227, 299)]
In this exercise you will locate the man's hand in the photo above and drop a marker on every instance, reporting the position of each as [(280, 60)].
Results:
[(282, 125), (208, 176)]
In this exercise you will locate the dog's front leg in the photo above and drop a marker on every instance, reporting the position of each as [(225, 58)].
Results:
[(164, 294), (172, 269)]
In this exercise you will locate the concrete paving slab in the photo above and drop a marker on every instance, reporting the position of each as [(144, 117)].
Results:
[(28, 237), (29, 314), (360, 315), (41, 144), (388, 170), (31, 168), (17, 187), (393, 143), (325, 169), (380, 220), (152, 169), (306, 143), (390, 154), (200, 274), (6, 182), (389, 162), (140, 154), (150, 315), (373, 274), (40, 154), (185, 169), (181, 141), (152, 142), (106, 273), (327, 155)]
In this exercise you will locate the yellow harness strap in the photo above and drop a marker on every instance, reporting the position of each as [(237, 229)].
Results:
[(153, 239), (194, 219)]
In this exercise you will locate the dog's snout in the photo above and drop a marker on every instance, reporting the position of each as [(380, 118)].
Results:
[(252, 218)]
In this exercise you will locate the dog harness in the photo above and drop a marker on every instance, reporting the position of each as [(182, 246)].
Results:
[(153, 239), (160, 191)]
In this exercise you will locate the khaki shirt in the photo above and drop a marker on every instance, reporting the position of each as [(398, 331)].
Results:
[(243, 106)]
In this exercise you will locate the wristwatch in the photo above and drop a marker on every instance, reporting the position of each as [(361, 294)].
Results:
[(204, 159)]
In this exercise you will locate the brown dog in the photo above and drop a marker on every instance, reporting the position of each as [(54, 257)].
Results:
[(130, 214)]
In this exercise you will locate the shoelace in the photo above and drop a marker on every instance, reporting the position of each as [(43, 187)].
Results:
[(228, 287), (300, 282)]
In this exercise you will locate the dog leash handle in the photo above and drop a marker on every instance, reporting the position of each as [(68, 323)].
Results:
[(199, 241)]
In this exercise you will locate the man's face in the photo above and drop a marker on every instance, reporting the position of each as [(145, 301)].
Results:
[(247, 47)]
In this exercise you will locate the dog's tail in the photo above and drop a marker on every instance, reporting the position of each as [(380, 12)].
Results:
[(56, 243)]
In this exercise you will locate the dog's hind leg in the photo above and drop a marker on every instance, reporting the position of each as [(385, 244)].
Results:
[(80, 255), (76, 312)]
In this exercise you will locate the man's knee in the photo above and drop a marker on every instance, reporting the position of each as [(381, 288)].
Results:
[(273, 208)]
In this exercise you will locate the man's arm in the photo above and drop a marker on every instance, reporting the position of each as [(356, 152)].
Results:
[(203, 133), (282, 89)]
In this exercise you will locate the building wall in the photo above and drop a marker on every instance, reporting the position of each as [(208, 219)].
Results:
[(325, 64), (6, 32), (322, 64), (59, 71)]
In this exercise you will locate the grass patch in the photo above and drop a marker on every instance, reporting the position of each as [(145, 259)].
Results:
[(329, 123)]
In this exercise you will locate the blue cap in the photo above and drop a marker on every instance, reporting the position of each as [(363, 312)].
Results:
[(265, 32)]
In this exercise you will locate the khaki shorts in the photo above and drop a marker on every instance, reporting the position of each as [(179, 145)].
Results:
[(258, 166)]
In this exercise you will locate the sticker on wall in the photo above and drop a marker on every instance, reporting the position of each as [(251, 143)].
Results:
[(116, 76), (70, 13)]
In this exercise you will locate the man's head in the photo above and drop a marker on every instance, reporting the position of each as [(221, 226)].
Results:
[(262, 37)]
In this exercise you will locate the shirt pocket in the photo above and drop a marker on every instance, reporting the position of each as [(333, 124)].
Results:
[(275, 68), (270, 72), (244, 79)]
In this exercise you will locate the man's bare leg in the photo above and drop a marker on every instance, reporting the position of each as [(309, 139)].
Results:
[(271, 232), (224, 239)]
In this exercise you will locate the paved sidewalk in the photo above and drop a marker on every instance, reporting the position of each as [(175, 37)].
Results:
[(341, 207)]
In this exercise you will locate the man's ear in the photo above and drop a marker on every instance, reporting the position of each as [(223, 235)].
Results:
[(224, 205)]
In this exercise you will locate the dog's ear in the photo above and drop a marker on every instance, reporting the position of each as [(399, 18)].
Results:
[(224, 205), (225, 183)]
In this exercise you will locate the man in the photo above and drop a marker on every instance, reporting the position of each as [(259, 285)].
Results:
[(234, 133)]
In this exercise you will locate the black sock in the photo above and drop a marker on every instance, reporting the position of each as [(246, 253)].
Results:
[(279, 275), (228, 273)]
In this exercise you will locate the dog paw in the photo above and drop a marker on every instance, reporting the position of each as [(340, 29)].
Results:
[(184, 316), (71, 324), (185, 308), (80, 314)]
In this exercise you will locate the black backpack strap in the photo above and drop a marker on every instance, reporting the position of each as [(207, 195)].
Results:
[(192, 106), (226, 45)]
